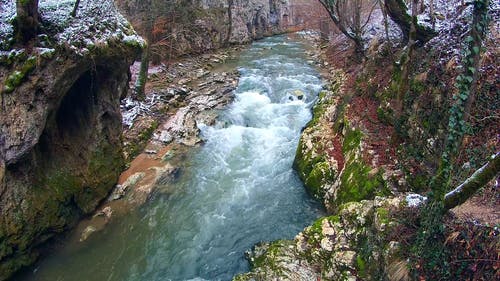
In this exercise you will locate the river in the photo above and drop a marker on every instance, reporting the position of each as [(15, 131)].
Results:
[(237, 189)]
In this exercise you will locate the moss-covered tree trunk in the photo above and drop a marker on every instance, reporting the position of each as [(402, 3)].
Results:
[(148, 19), (140, 84), (27, 20), (479, 179), (430, 241), (397, 10), (406, 63)]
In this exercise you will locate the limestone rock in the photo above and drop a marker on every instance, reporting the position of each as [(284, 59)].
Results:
[(87, 233), (60, 126), (333, 248), (216, 23)]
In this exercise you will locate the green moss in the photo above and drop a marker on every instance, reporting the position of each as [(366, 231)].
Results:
[(304, 161), (358, 180), (320, 174), (352, 139), (17, 77), (313, 171), (357, 183), (134, 148), (383, 215), (319, 109), (104, 168), (13, 81), (315, 231), (61, 185), (146, 134), (266, 256), (360, 266)]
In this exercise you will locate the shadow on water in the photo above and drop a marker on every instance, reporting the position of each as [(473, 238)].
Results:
[(236, 190)]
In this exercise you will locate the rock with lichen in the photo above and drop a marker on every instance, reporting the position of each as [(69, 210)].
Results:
[(355, 244)]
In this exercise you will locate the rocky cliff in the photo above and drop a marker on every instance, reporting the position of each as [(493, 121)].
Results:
[(183, 27), (60, 122)]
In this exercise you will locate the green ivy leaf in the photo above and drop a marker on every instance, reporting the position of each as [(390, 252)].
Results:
[(476, 49)]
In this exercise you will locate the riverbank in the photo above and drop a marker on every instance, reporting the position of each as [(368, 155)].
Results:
[(159, 131), (362, 160), (199, 194)]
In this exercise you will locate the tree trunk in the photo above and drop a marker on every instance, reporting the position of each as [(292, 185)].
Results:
[(479, 179), (397, 11), (148, 19), (406, 63), (230, 4), (75, 8), (331, 7), (386, 22), (142, 77), (477, 33), (431, 13), (27, 20)]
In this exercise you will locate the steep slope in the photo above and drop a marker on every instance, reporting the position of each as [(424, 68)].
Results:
[(361, 158)]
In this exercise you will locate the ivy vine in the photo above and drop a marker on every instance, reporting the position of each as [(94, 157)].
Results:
[(430, 246)]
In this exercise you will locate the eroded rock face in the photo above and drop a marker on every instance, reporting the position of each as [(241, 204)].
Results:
[(201, 25), (60, 141)]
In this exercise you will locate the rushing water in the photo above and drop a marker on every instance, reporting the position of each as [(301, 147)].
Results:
[(236, 190)]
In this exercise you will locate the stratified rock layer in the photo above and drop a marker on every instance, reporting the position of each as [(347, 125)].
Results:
[(60, 141)]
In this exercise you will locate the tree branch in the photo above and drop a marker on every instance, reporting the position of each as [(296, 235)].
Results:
[(480, 177)]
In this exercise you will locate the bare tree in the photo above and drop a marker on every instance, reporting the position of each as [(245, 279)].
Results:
[(386, 21), (148, 22), (397, 10), (75, 8), (27, 20), (431, 13), (351, 17)]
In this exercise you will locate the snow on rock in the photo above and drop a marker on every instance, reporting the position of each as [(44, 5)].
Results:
[(415, 200), (97, 24), (7, 14)]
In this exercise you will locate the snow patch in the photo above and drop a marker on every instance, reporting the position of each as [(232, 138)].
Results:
[(415, 200), (97, 24)]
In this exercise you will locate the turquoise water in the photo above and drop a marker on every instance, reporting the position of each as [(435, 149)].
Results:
[(236, 190)]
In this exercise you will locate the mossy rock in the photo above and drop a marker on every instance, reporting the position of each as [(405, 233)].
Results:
[(18, 76), (358, 181)]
